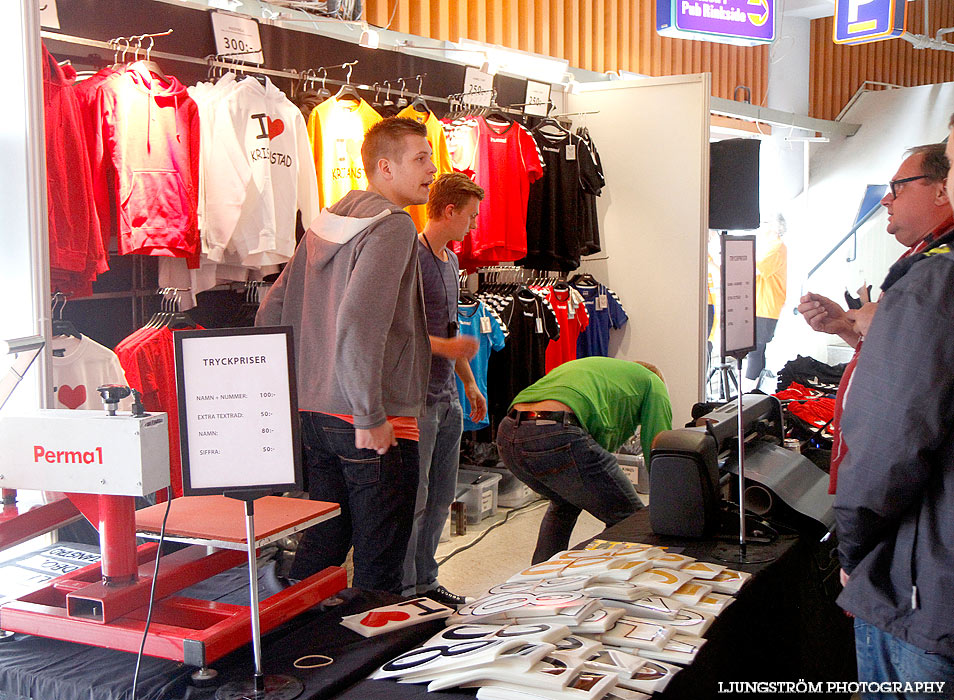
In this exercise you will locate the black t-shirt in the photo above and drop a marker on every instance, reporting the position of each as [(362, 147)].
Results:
[(555, 210), (592, 187), (532, 325)]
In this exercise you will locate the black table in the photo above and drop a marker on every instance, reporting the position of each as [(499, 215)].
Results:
[(783, 626), (34, 668)]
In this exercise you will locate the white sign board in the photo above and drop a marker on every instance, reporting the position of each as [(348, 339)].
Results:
[(238, 410), (738, 295), (478, 87), (49, 17), (237, 35), (537, 99)]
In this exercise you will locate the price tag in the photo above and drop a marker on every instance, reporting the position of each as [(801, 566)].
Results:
[(49, 16), (602, 302), (537, 99), (478, 87), (539, 325), (571, 151), (485, 324), (236, 34)]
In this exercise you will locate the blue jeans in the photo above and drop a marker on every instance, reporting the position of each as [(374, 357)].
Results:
[(567, 466), (376, 494), (439, 450), (885, 658)]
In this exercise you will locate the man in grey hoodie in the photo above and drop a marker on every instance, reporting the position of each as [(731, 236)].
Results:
[(352, 293)]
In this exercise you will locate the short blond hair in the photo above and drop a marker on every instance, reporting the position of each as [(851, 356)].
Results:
[(652, 368), (451, 188), (386, 140)]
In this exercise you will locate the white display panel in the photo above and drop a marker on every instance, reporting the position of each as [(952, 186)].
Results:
[(738, 295), (238, 410), (653, 139)]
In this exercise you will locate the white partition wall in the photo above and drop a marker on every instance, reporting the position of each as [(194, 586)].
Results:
[(653, 139), (24, 264)]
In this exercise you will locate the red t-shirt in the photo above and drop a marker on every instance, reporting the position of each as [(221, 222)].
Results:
[(148, 358), (505, 161), (405, 427), (573, 320)]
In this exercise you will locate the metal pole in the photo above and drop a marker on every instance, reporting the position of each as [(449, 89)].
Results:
[(741, 447), (253, 602)]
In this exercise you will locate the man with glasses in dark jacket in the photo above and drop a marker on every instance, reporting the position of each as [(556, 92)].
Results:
[(894, 505)]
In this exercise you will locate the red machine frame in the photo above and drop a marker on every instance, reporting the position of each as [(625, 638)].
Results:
[(106, 604)]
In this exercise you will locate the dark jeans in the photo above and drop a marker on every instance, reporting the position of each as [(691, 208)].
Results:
[(567, 466), (376, 494), (764, 332)]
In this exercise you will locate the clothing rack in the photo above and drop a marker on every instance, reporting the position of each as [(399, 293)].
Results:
[(573, 114), (289, 74)]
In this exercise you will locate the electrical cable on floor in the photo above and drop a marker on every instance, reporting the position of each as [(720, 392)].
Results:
[(152, 590), (516, 511)]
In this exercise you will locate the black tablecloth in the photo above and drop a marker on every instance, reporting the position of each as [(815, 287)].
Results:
[(44, 669), (783, 626)]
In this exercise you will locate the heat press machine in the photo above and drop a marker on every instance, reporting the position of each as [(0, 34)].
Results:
[(691, 469), (103, 460)]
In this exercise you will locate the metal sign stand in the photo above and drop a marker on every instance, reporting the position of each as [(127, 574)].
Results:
[(738, 312), (260, 687)]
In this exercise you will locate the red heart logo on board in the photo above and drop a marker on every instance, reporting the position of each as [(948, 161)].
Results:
[(275, 127), (380, 619), (71, 397)]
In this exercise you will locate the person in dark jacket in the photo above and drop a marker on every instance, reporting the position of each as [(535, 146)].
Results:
[(894, 505)]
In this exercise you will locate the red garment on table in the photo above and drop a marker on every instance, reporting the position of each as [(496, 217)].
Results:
[(807, 404)]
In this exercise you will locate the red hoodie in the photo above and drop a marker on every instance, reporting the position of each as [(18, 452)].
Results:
[(76, 248), (146, 132)]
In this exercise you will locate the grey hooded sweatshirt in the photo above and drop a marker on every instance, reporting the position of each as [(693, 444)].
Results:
[(352, 294)]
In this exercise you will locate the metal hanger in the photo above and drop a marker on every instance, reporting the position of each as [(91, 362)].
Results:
[(402, 100), (61, 326), (148, 64), (418, 103), (347, 90)]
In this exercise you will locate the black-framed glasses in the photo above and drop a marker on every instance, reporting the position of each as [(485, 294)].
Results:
[(904, 180)]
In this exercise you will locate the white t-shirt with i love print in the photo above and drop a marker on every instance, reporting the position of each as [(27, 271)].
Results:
[(80, 365)]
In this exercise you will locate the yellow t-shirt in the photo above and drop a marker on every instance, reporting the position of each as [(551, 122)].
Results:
[(336, 130), (771, 279), (440, 156)]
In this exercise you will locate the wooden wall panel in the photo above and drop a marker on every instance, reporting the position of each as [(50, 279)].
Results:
[(597, 35), (838, 71)]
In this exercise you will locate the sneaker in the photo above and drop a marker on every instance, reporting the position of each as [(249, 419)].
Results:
[(445, 597)]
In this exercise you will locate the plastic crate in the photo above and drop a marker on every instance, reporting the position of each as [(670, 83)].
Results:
[(634, 467), (511, 492), (478, 491)]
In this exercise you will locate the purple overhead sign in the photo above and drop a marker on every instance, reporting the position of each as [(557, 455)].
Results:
[(744, 22)]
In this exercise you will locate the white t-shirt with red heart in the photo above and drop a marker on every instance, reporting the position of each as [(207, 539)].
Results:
[(80, 365)]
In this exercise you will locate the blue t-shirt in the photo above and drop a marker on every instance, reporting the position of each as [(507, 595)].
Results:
[(594, 341), (470, 319), (439, 279)]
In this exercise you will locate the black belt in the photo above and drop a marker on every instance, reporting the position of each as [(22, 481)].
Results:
[(565, 417)]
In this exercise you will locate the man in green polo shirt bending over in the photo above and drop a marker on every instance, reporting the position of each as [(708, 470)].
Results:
[(559, 434)]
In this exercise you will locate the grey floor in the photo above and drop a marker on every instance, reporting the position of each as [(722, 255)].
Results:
[(502, 552), (504, 546)]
